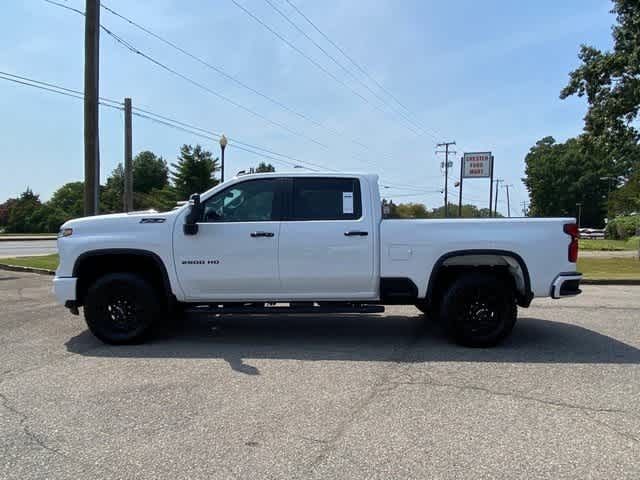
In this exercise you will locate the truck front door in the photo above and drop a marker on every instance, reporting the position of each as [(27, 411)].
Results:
[(234, 255)]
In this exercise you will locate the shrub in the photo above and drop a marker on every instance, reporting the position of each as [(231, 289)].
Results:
[(621, 228)]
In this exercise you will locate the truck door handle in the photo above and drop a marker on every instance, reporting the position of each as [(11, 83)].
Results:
[(262, 234), (355, 233)]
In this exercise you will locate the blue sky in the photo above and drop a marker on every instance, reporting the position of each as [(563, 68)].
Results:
[(485, 74)]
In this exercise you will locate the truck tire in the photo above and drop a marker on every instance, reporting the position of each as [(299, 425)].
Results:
[(479, 310), (120, 308), (429, 310)]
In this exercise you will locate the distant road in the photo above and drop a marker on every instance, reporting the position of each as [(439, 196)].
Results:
[(31, 247)]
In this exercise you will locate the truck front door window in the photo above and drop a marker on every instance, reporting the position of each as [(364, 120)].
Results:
[(251, 201)]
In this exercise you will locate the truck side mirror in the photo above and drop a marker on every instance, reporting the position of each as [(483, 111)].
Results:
[(190, 226)]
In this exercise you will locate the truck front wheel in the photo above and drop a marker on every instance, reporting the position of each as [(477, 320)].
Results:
[(479, 309), (120, 308)]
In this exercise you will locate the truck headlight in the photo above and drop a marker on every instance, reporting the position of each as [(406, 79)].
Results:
[(65, 232)]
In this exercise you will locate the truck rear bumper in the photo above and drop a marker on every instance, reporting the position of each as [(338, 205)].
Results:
[(64, 288), (566, 285)]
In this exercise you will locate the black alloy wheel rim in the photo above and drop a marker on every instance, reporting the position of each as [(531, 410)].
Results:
[(122, 312), (481, 314)]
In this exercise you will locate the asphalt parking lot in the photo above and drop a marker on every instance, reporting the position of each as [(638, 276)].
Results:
[(376, 397)]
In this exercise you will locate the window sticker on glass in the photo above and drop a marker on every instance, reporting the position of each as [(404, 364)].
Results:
[(347, 202)]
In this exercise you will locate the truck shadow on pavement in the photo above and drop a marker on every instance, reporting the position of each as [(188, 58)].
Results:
[(239, 339)]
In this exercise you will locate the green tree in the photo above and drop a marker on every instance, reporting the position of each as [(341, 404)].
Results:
[(5, 210), (412, 210), (626, 200), (265, 168), (150, 177), (149, 172), (610, 79), (21, 216), (560, 175), (157, 199), (111, 194), (48, 218), (69, 199), (194, 171)]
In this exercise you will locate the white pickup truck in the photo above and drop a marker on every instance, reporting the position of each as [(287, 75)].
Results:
[(309, 243)]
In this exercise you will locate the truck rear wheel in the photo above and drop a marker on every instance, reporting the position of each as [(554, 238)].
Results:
[(120, 308), (430, 311), (479, 310)]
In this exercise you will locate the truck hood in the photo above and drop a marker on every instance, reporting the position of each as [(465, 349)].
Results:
[(117, 221)]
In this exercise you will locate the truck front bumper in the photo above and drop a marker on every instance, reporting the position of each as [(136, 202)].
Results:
[(566, 285), (64, 288)]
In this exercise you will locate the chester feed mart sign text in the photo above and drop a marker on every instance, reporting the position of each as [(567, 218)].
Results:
[(477, 165)]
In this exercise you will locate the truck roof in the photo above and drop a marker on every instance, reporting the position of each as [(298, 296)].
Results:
[(369, 176)]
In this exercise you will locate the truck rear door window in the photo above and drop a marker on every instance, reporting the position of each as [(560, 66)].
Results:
[(326, 199)]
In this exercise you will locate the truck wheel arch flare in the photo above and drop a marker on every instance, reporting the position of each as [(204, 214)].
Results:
[(121, 252), (515, 263)]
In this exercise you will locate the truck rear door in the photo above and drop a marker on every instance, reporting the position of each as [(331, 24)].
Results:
[(326, 248)]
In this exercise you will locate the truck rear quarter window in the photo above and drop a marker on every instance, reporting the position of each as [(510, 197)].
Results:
[(326, 199)]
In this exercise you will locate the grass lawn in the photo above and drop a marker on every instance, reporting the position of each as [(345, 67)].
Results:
[(592, 268), (609, 268), (613, 245), (2, 234), (49, 262)]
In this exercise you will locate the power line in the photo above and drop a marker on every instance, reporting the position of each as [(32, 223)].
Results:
[(183, 126), (211, 137), (207, 89), (348, 57), (53, 89), (197, 131), (51, 85), (67, 7), (342, 67), (136, 51), (237, 81), (315, 63)]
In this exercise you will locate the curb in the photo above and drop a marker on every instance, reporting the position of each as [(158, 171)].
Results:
[(17, 268), (26, 239), (619, 281)]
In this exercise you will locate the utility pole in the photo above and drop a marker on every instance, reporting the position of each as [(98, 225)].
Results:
[(446, 175), (128, 158), (508, 200), (91, 105), (608, 179), (495, 209), (579, 205), (524, 207), (491, 185), (460, 185)]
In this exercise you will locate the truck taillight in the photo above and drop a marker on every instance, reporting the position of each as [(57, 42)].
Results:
[(572, 230)]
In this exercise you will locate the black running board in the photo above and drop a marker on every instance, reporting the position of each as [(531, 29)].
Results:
[(276, 309)]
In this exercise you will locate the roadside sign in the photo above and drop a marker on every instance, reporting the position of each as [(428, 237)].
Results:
[(477, 165)]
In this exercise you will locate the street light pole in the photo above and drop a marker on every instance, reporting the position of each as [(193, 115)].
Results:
[(223, 145), (608, 179)]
